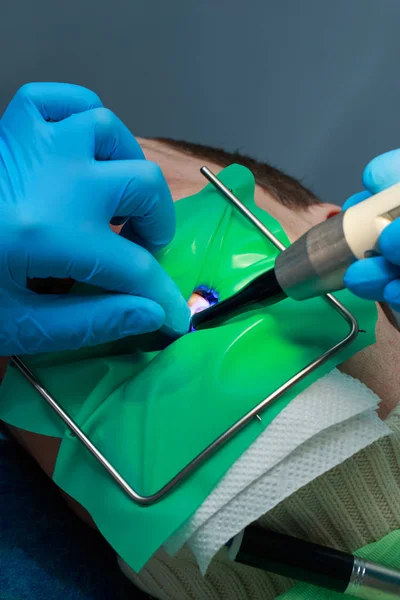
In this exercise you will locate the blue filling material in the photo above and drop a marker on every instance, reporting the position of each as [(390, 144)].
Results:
[(208, 294)]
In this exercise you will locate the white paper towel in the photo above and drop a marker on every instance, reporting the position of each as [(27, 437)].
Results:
[(323, 426)]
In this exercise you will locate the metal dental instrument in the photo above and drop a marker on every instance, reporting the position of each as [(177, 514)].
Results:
[(313, 265), (318, 565), (233, 429)]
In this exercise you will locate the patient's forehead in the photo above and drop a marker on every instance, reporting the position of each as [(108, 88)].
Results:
[(183, 176)]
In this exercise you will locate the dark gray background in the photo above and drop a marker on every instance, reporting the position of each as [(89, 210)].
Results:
[(311, 86)]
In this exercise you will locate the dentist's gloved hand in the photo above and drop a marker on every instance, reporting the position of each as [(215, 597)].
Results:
[(67, 167), (379, 278)]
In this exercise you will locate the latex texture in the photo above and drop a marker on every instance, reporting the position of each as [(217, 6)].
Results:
[(152, 412), (378, 278), (67, 167)]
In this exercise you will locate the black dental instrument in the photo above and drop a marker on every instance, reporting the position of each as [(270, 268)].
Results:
[(316, 263), (263, 291), (317, 565)]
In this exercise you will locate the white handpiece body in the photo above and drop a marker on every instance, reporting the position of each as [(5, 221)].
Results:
[(363, 223), (316, 263)]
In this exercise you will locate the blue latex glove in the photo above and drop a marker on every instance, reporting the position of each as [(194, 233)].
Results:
[(67, 167), (379, 278)]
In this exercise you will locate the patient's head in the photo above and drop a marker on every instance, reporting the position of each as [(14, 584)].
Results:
[(293, 205), (297, 209)]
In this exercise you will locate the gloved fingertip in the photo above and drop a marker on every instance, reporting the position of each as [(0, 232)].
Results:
[(389, 242), (367, 278), (382, 171), (129, 232), (155, 220), (178, 317), (392, 294), (147, 317), (112, 317), (355, 199)]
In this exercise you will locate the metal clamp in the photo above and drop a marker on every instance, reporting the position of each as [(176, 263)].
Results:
[(236, 427)]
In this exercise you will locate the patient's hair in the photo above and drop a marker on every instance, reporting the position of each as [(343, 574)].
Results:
[(282, 187)]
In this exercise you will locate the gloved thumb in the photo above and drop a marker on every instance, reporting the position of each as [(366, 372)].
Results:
[(368, 278), (356, 199), (382, 172), (71, 322)]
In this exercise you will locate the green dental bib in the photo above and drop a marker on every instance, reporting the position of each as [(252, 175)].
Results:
[(151, 413)]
